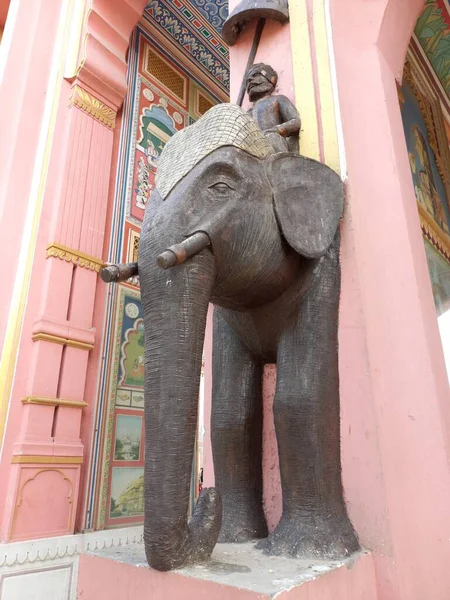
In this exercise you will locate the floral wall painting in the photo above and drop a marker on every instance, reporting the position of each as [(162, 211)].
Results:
[(127, 492), (137, 399), (156, 127), (123, 398), (127, 445), (428, 185), (132, 356), (433, 32), (160, 117)]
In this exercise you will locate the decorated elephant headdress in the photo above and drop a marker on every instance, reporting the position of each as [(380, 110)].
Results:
[(223, 125)]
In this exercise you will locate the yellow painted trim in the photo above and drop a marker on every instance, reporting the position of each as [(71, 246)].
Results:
[(327, 109), (75, 256), (46, 460), (313, 82), (19, 296), (56, 339), (97, 109), (303, 78), (75, 40), (44, 401)]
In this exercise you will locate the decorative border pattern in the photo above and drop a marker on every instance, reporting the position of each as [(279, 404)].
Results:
[(193, 36), (94, 107), (74, 256), (68, 546)]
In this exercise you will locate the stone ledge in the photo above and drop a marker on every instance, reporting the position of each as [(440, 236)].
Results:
[(235, 571)]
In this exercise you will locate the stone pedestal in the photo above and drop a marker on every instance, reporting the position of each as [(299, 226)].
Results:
[(235, 571)]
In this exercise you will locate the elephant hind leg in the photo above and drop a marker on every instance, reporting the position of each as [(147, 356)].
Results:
[(314, 522), (237, 435)]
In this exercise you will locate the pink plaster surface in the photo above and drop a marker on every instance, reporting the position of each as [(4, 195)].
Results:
[(22, 98), (45, 501), (395, 422), (60, 297)]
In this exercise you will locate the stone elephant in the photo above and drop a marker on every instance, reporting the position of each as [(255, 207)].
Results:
[(257, 234)]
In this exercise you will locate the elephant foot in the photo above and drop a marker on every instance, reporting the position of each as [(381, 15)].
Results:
[(313, 537), (178, 546), (238, 528)]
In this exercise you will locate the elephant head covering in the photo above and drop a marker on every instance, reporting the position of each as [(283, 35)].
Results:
[(222, 125)]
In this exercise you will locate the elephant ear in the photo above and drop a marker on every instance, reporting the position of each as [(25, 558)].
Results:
[(308, 199)]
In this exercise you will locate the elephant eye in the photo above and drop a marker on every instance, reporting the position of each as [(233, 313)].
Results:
[(220, 186)]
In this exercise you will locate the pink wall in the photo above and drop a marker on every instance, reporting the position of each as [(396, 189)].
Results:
[(43, 437), (395, 423)]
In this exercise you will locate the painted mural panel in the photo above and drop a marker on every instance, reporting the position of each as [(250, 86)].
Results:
[(427, 144), (159, 118), (162, 99), (428, 184), (433, 32)]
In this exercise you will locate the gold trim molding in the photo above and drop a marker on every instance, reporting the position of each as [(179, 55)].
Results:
[(93, 106), (44, 401), (56, 339), (46, 460), (74, 256), (432, 231)]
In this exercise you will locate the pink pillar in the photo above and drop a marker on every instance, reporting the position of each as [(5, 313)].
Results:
[(395, 422), (42, 454)]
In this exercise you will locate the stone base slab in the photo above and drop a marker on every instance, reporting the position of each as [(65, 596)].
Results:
[(235, 572)]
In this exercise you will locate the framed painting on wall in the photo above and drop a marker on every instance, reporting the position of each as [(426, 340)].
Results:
[(426, 134)]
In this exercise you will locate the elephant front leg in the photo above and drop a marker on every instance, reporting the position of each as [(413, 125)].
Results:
[(314, 521), (237, 435)]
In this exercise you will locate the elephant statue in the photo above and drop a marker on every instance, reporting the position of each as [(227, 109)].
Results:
[(256, 233)]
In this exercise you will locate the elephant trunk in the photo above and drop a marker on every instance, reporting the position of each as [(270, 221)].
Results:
[(175, 309)]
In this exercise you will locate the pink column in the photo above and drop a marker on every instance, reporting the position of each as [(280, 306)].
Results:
[(43, 453), (394, 387)]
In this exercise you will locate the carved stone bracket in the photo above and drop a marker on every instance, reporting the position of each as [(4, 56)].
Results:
[(97, 109), (105, 39), (75, 256)]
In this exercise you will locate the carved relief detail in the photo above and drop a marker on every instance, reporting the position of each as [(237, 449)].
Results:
[(27, 481), (93, 106), (75, 256)]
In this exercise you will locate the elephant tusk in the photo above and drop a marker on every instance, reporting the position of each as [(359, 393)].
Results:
[(178, 253), (116, 273)]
